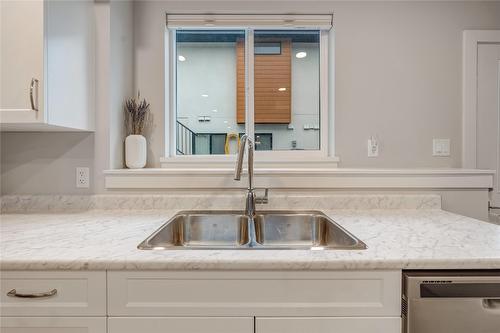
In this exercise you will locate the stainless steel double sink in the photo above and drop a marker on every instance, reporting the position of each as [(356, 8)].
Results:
[(268, 230)]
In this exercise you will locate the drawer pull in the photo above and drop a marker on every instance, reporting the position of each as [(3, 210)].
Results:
[(13, 293), (32, 101)]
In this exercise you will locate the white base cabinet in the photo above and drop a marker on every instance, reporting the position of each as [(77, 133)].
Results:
[(52, 302), (328, 325), (75, 294), (338, 293), (201, 302), (248, 325), (181, 325), (52, 325)]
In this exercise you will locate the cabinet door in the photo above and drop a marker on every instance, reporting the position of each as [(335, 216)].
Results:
[(52, 325), (301, 294), (181, 325), (21, 61), (328, 325)]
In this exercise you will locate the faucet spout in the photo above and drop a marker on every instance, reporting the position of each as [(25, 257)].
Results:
[(250, 200)]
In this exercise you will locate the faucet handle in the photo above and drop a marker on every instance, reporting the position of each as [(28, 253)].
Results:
[(263, 199)]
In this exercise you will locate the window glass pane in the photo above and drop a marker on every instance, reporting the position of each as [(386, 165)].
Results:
[(210, 72), (286, 90), (267, 48)]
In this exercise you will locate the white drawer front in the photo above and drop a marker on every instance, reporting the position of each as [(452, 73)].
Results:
[(328, 325), (342, 293), (181, 325), (78, 293), (52, 325)]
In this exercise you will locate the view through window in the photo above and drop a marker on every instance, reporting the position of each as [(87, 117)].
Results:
[(211, 93)]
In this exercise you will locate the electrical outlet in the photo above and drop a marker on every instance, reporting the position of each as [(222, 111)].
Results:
[(82, 177), (372, 147)]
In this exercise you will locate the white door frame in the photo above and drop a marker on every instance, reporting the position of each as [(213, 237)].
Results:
[(471, 39)]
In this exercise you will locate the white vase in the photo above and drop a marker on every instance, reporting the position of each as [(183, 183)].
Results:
[(135, 151)]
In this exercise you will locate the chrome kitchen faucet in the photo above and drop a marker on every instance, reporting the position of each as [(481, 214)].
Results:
[(250, 200)]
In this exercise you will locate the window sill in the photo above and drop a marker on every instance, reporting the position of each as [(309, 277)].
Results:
[(299, 178), (203, 162)]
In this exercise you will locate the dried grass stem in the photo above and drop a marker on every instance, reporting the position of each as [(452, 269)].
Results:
[(136, 115)]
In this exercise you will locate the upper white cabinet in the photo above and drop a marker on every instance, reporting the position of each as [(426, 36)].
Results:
[(47, 65), (21, 60)]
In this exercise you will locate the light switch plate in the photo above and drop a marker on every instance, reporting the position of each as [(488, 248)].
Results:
[(441, 147)]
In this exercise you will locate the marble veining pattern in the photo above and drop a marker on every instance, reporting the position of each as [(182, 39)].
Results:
[(107, 239), (79, 203)]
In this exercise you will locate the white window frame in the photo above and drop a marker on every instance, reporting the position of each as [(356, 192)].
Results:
[(250, 23)]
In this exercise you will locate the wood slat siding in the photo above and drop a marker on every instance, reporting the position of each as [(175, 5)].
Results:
[(240, 81), (271, 72)]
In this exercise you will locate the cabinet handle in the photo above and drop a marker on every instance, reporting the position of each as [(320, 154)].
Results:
[(32, 99), (13, 293)]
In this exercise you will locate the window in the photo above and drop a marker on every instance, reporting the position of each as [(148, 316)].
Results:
[(265, 76), (261, 48), (206, 85), (286, 89)]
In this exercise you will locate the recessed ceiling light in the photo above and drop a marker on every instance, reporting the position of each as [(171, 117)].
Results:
[(181, 58), (204, 95), (282, 89), (301, 55)]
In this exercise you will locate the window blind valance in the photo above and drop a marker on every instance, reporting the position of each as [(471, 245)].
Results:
[(260, 21)]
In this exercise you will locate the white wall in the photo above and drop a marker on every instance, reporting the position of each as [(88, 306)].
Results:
[(114, 83), (45, 163), (398, 72), (102, 92), (398, 76), (121, 64)]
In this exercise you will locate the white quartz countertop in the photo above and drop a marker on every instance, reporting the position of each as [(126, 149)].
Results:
[(107, 240)]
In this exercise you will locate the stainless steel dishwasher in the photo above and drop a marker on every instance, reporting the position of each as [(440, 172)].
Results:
[(451, 302)]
